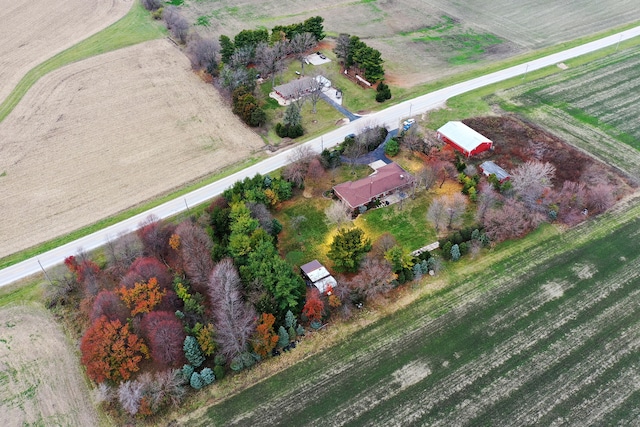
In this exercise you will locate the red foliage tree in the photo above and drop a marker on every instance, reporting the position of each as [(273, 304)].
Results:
[(165, 335), (107, 303), (110, 351), (144, 269), (314, 306), (265, 338), (143, 297), (87, 273), (155, 235)]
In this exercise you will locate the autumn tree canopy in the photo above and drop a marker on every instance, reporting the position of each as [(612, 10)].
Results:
[(110, 351)]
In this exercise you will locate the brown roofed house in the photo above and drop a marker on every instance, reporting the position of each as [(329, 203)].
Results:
[(383, 182)]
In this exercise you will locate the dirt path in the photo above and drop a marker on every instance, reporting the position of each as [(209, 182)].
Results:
[(102, 135), (35, 30)]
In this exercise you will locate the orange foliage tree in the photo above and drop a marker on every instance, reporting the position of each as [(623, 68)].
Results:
[(110, 351), (314, 306), (143, 297), (265, 338)]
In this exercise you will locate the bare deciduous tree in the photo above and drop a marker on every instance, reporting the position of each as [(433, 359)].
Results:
[(455, 207), (195, 247), (122, 251), (383, 244), (233, 318), (260, 212), (152, 4), (487, 199), (241, 57), (270, 59), (338, 213), (600, 198), (508, 222), (203, 53), (130, 395), (437, 213), (315, 171), (176, 23), (426, 177), (300, 44), (316, 86), (530, 179), (375, 277), (299, 160), (343, 47)]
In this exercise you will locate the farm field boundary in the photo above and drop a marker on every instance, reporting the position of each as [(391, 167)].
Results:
[(135, 27), (508, 333)]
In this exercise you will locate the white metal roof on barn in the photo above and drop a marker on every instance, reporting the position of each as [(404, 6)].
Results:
[(463, 135)]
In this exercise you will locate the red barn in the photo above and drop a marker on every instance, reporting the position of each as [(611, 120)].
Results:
[(464, 139)]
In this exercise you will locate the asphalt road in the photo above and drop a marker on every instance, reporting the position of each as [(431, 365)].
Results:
[(389, 117)]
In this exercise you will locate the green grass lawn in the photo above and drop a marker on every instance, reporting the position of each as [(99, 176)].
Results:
[(407, 224), (547, 324), (305, 242), (135, 27)]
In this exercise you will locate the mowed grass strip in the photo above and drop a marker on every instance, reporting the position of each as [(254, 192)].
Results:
[(135, 27), (450, 348)]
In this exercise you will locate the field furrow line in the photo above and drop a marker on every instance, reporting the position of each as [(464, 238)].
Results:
[(537, 402), (571, 381), (521, 341), (593, 141), (606, 96), (513, 380), (592, 410)]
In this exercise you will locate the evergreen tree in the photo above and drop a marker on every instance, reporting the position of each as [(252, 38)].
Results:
[(455, 252), (196, 381), (192, 351), (283, 337), (187, 371), (292, 116), (348, 248), (207, 376), (289, 319)]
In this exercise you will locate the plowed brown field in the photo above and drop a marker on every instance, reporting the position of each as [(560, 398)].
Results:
[(40, 380), (35, 30), (102, 135)]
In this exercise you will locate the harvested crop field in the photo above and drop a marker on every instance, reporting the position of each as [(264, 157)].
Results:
[(593, 106), (548, 335), (99, 136), (33, 31), (423, 41), (40, 380), (603, 93)]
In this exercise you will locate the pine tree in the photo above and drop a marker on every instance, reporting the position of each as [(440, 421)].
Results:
[(192, 351), (196, 381), (207, 376), (283, 337), (455, 252), (289, 319), (187, 371)]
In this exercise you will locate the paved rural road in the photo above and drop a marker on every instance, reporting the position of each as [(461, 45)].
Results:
[(389, 117)]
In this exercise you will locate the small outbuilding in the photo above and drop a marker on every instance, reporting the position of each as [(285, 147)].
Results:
[(490, 168), (464, 139), (317, 275)]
